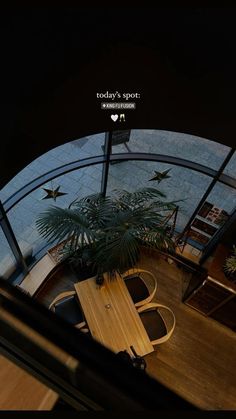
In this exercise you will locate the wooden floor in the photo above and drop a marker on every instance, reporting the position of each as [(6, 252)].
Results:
[(199, 361)]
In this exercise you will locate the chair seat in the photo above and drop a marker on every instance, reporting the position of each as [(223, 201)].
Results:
[(69, 310), (153, 324), (137, 288), (136, 285)]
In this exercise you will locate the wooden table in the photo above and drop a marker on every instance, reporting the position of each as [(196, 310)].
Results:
[(112, 317)]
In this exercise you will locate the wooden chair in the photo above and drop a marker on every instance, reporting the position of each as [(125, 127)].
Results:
[(158, 329), (137, 287), (66, 305)]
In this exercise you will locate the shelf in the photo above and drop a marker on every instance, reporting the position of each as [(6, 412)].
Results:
[(201, 232), (207, 221)]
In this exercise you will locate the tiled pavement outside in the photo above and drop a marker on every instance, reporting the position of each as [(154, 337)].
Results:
[(183, 184)]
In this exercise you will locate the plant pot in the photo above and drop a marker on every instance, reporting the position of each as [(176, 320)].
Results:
[(99, 280), (83, 271)]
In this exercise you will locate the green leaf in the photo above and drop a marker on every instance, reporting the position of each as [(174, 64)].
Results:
[(109, 231)]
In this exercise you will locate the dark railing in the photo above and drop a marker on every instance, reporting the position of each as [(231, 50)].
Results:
[(94, 378), (198, 272)]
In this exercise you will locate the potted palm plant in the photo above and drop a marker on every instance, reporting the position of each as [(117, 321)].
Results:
[(108, 232), (230, 265)]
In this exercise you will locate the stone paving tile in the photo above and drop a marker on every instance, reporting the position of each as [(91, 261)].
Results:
[(231, 167), (180, 145)]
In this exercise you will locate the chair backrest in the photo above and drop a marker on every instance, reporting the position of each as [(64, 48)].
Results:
[(60, 297), (169, 328), (138, 271), (79, 316)]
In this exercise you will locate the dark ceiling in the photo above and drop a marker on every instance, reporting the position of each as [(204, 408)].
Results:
[(53, 62)]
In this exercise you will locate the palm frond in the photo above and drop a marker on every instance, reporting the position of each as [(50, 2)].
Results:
[(230, 262), (86, 199), (96, 208), (58, 223), (109, 230), (118, 251), (157, 239), (137, 198), (144, 192)]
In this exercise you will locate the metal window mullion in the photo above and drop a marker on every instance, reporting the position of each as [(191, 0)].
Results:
[(105, 170), (227, 180), (11, 239)]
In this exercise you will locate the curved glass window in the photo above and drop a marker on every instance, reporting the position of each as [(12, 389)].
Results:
[(7, 259), (185, 146), (22, 217), (186, 185), (223, 197), (230, 168), (74, 150), (183, 184)]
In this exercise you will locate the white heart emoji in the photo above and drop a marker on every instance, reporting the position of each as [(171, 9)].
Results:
[(114, 117)]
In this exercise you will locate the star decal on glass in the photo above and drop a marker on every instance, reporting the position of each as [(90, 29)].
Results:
[(53, 193), (159, 176)]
